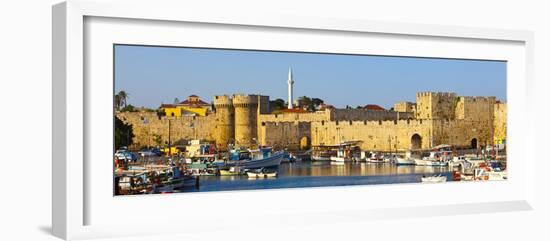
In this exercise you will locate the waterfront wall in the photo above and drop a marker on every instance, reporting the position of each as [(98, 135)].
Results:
[(147, 124), (364, 114), (300, 117), (375, 135), (403, 134), (245, 120), (293, 135), (462, 133)]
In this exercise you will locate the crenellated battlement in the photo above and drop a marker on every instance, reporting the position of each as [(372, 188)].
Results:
[(373, 123), (241, 100), (223, 101), (491, 99), (435, 94)]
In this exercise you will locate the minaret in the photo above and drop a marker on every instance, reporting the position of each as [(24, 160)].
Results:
[(290, 83)]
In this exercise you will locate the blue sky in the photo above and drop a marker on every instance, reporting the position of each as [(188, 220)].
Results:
[(155, 75)]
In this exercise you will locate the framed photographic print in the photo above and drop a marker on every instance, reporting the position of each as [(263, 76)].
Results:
[(178, 113)]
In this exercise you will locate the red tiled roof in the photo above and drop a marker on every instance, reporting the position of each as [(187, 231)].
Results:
[(198, 102), (373, 107), (193, 100), (167, 106)]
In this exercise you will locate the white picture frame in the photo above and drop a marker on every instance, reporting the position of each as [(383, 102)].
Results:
[(75, 201)]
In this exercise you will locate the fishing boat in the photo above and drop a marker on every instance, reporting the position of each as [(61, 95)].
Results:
[(262, 173), (171, 180), (341, 156), (254, 159), (174, 184), (404, 160), (390, 159), (434, 179), (323, 156), (375, 158), (301, 156), (232, 171)]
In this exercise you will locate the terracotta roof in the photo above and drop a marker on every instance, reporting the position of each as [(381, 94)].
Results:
[(198, 102), (167, 106), (373, 107), (193, 96)]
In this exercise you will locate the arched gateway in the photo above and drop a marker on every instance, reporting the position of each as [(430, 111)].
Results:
[(416, 141)]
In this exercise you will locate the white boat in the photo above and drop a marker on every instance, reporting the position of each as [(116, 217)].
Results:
[(273, 159), (434, 179), (375, 158), (342, 155), (429, 162), (404, 161), (261, 174), (337, 163), (263, 157), (420, 162), (338, 159), (176, 181), (320, 158), (233, 171)]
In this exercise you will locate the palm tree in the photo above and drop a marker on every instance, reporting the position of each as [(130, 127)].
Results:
[(117, 102), (123, 96)]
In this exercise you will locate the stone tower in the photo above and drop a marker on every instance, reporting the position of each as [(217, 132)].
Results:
[(246, 120), (225, 121), (436, 105)]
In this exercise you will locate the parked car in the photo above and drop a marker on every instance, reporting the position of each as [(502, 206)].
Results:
[(146, 152), (126, 155)]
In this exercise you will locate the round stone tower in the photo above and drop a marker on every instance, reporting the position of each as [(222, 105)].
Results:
[(246, 116), (225, 121)]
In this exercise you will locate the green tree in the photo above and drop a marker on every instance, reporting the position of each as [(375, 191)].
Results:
[(277, 104), (157, 139), (123, 133), (129, 108), (317, 102), (305, 102), (308, 103)]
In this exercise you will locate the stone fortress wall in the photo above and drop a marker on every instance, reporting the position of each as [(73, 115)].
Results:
[(246, 120), (146, 125), (435, 118), (499, 122)]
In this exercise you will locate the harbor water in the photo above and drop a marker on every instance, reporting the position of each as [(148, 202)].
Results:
[(322, 174)]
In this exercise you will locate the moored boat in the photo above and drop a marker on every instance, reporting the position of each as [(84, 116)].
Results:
[(254, 159), (261, 174), (434, 179), (375, 158), (404, 161), (232, 171)]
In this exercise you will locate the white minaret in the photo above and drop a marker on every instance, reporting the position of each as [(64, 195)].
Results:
[(290, 83)]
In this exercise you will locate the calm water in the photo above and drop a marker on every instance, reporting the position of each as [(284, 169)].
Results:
[(320, 174)]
